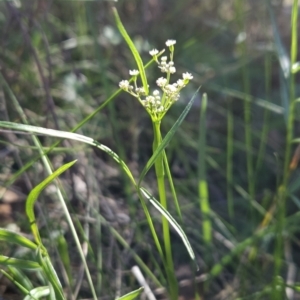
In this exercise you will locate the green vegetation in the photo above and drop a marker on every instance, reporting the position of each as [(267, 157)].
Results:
[(168, 186)]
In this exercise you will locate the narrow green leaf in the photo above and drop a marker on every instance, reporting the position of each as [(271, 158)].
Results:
[(283, 57), (33, 195), (164, 143), (133, 49), (237, 250), (16, 238), (246, 97), (23, 289), (62, 247), (18, 263), (20, 277), (171, 220), (202, 183), (71, 136), (51, 275), (229, 160), (131, 295), (284, 62)]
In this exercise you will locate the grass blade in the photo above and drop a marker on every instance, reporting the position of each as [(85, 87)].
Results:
[(62, 247), (71, 136), (20, 276), (171, 220), (284, 62), (18, 263), (229, 160), (16, 238), (202, 183), (23, 289), (134, 51), (132, 295), (33, 195)]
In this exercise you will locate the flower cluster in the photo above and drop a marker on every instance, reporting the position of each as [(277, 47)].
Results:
[(156, 104)]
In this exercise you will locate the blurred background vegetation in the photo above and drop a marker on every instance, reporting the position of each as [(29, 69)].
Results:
[(63, 59)]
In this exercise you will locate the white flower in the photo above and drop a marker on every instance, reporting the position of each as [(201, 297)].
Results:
[(172, 70), (153, 52), (164, 58), (155, 93), (171, 88), (140, 91), (170, 43), (134, 72), (187, 76), (164, 69), (180, 83), (124, 84), (161, 81)]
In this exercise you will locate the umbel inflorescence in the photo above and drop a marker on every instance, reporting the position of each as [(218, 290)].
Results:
[(159, 102)]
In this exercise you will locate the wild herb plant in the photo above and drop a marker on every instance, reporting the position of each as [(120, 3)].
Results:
[(157, 105)]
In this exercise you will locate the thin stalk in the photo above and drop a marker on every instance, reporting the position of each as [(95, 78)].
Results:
[(229, 164), (202, 182), (282, 193), (292, 106), (160, 176), (247, 104), (266, 117), (172, 187)]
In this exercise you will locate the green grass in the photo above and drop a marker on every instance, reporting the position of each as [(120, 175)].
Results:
[(209, 186)]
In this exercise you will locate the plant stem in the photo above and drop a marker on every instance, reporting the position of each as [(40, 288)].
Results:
[(159, 170), (247, 104), (282, 192)]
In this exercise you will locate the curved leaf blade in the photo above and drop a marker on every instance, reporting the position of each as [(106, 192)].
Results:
[(16, 238), (18, 263), (134, 51), (132, 295), (33, 195), (70, 136), (171, 220), (19, 276)]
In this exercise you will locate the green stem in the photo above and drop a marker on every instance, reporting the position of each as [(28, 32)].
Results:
[(282, 193), (172, 187), (202, 182), (266, 117), (247, 104), (229, 158), (160, 176)]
